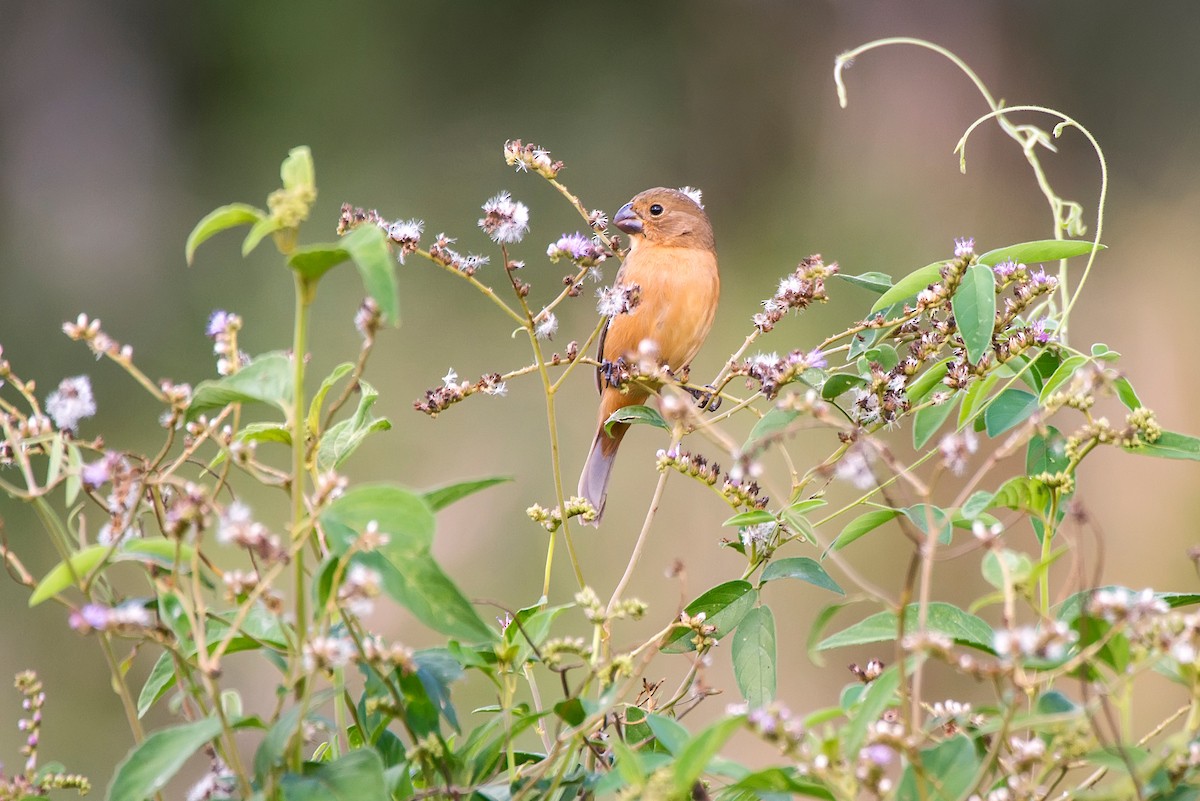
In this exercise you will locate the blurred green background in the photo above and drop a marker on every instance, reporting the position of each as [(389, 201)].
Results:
[(122, 123)]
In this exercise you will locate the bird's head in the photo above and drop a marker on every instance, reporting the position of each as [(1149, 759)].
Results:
[(668, 217)]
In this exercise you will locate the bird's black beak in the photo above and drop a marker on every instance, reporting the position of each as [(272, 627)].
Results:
[(627, 220)]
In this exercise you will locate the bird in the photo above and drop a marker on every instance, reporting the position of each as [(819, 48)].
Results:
[(673, 261)]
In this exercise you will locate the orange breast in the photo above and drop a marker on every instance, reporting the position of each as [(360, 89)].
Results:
[(679, 291)]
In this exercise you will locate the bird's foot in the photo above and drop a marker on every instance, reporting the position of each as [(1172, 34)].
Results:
[(708, 399)]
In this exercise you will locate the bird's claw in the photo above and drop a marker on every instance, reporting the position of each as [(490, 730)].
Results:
[(708, 399)]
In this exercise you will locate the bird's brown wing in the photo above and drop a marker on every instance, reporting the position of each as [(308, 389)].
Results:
[(600, 357)]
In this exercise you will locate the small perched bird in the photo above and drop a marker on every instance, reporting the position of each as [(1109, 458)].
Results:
[(673, 261)]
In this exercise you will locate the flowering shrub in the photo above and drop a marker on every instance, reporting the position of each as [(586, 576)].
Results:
[(970, 356)]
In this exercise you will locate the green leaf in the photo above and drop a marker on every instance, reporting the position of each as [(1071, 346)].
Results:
[(928, 420), (670, 734), (270, 751), (693, 759), (66, 573), (943, 618), (1171, 446), (162, 676), (803, 568), (1053, 702), (754, 657), (883, 355), (218, 220), (1022, 494), (998, 564), (839, 383), (1010, 408), (344, 437), (172, 613), (410, 574), (357, 776), (162, 552), (1127, 393), (1046, 453), (297, 171), (318, 399), (724, 606), (1060, 376), (779, 781), (1042, 250), (264, 432), (974, 400), (863, 524), (368, 249), (148, 767), (926, 382), (636, 415), (873, 702), (871, 281), (266, 379), (752, 518), (924, 515), (947, 772), (441, 497), (258, 232), (974, 305), (908, 286), (771, 425), (313, 261)]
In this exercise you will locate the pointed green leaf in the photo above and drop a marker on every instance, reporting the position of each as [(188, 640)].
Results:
[(258, 232), (218, 220), (636, 415), (1046, 453), (976, 397), (863, 524), (1039, 251), (928, 420), (925, 517), (974, 305), (694, 758), (754, 657), (872, 703), (1010, 408), (1022, 494), (1171, 445), (1060, 376), (1127, 393), (313, 261), (947, 772), (670, 734), (344, 437), (928, 381), (297, 170), (65, 574), (354, 777), (771, 425), (752, 518), (724, 606), (803, 568), (839, 383), (908, 286), (264, 432), (410, 574), (318, 399), (442, 497), (368, 249), (266, 379), (148, 767), (871, 281), (943, 618)]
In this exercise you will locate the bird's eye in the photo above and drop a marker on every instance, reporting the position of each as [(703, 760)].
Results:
[(656, 210)]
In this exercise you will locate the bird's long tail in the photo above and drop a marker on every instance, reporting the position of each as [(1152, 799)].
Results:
[(593, 483)]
